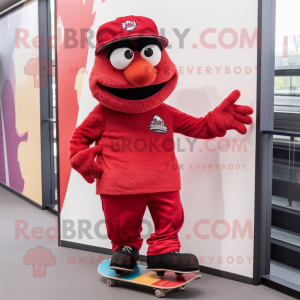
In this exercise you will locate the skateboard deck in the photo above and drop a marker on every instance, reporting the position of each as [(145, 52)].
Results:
[(140, 275)]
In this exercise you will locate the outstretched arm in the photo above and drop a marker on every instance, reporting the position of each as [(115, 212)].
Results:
[(191, 126), (82, 157), (224, 117)]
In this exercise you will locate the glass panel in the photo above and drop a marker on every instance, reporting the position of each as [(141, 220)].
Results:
[(286, 172), (287, 85), (53, 102), (52, 8), (287, 49), (285, 230), (287, 113)]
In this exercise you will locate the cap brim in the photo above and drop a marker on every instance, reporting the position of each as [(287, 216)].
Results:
[(164, 41)]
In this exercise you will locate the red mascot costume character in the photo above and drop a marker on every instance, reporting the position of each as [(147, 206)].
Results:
[(133, 133)]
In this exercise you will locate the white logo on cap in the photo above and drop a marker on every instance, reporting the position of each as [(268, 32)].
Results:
[(129, 25)]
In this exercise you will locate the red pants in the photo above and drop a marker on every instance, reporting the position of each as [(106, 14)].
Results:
[(124, 216)]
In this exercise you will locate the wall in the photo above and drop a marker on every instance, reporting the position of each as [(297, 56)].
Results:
[(70, 61), (217, 176), (20, 149)]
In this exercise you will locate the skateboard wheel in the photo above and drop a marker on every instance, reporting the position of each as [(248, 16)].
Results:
[(159, 293), (111, 282), (181, 288), (160, 273)]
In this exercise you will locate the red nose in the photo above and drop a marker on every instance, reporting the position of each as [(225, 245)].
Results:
[(140, 72)]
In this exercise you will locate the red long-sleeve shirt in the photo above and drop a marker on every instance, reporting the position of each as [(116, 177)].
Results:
[(138, 150)]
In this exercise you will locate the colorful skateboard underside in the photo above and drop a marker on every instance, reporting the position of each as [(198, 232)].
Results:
[(141, 275)]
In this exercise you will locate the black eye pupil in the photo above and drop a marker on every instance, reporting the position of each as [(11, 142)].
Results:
[(128, 54), (148, 52)]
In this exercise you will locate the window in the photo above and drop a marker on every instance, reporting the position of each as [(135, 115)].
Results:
[(285, 229)]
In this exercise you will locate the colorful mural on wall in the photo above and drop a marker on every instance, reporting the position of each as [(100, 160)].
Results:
[(71, 58), (20, 154)]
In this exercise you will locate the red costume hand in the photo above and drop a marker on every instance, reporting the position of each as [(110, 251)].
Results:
[(228, 116), (84, 163)]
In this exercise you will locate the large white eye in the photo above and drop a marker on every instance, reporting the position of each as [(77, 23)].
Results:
[(152, 54), (121, 58)]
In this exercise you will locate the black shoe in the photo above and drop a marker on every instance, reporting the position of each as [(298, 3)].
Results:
[(173, 261), (124, 259)]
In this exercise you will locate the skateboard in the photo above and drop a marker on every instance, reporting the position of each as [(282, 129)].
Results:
[(140, 275)]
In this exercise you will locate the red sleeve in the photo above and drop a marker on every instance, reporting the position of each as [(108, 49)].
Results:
[(89, 131), (190, 126)]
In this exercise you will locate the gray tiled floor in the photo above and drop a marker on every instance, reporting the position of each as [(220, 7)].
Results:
[(74, 275)]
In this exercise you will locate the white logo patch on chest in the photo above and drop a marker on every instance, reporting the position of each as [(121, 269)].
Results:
[(158, 125)]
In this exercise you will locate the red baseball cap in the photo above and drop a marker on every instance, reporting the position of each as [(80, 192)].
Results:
[(127, 28)]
